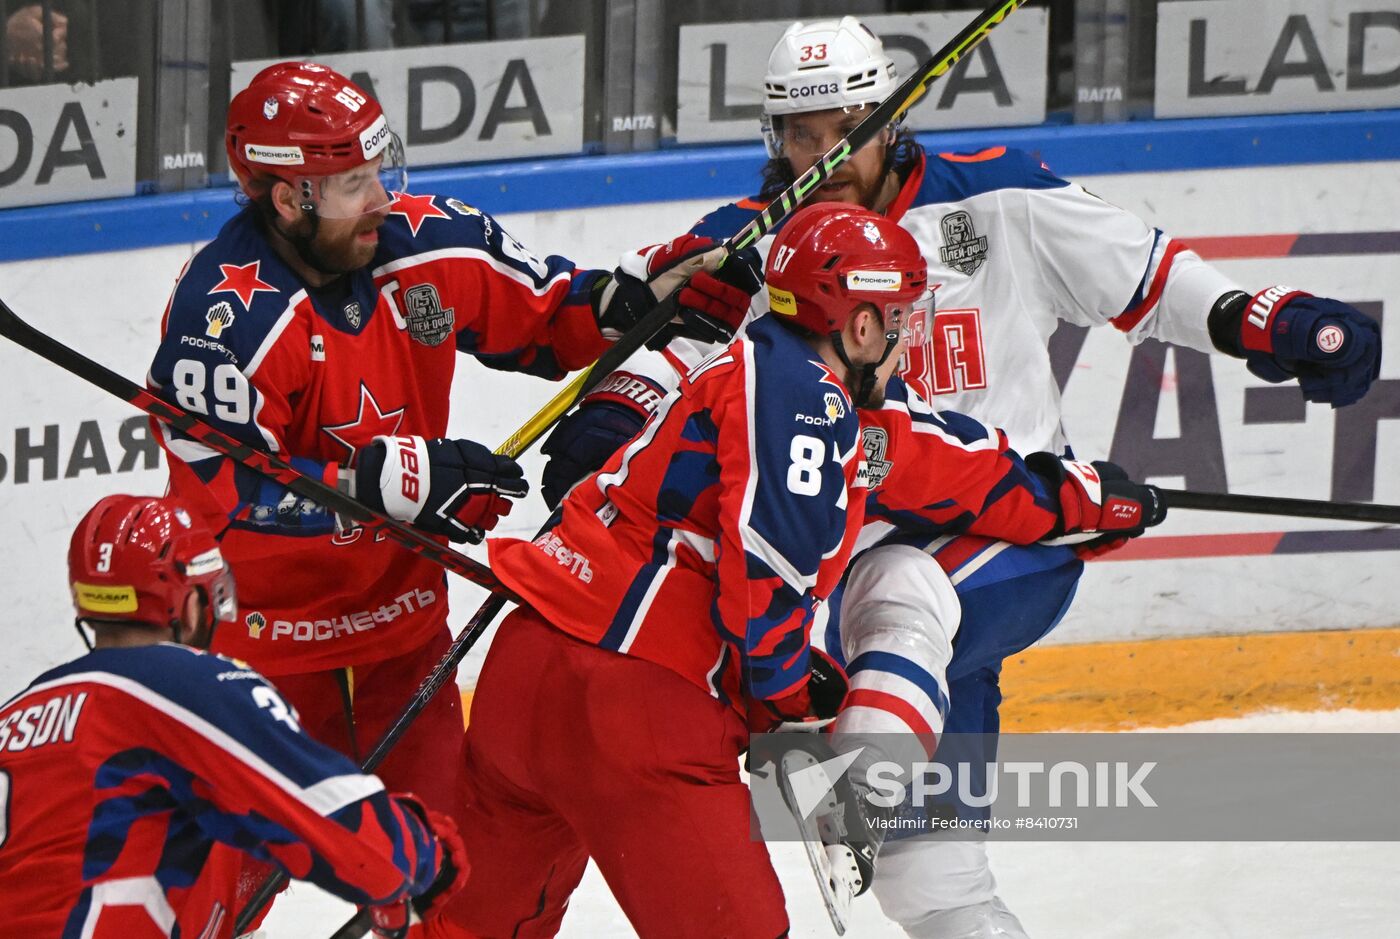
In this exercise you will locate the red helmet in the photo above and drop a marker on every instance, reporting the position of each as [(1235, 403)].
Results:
[(297, 121), (831, 257), (136, 558)]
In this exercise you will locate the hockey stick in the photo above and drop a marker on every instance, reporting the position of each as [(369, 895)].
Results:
[(1274, 505), (20, 332), (274, 468), (888, 111)]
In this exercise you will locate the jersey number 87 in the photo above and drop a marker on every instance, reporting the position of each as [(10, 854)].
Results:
[(804, 475)]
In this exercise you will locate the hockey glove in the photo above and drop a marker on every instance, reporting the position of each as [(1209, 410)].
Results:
[(1331, 348), (392, 920), (607, 418), (810, 707), (1100, 507), (712, 302), (456, 488)]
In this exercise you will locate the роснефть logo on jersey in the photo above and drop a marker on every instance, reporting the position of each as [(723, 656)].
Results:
[(963, 249), (219, 318), (428, 322)]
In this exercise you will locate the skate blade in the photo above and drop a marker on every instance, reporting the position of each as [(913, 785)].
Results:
[(833, 866)]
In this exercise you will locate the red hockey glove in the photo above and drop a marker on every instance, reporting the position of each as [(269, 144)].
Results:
[(1100, 507), (391, 921), (456, 488), (713, 301), (453, 867), (813, 705), (1330, 347)]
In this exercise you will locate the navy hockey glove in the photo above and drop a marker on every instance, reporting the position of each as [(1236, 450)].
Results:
[(1331, 348), (1100, 507), (811, 706), (608, 417), (456, 488), (713, 301)]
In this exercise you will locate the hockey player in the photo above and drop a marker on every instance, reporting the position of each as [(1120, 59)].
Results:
[(323, 324), (133, 780), (668, 604), (1013, 250)]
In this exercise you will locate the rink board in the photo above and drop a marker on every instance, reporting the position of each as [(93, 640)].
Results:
[(63, 444)]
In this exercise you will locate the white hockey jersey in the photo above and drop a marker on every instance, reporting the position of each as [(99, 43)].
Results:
[(1012, 250)]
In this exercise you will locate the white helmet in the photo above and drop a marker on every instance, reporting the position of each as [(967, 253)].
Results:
[(823, 65)]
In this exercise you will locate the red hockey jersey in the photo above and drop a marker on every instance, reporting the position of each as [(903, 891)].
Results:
[(706, 543), (133, 782), (315, 375)]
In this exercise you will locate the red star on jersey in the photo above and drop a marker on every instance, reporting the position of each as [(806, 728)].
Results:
[(243, 281), (369, 423), (415, 209)]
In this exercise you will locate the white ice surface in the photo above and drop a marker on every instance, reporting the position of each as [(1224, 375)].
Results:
[(1162, 890)]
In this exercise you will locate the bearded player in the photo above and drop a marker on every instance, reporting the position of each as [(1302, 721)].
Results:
[(1014, 251), (323, 324)]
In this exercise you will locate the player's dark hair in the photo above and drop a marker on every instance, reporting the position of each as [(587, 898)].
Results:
[(900, 157)]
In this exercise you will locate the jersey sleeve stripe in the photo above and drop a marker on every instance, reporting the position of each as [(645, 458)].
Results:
[(969, 434), (505, 270), (675, 361), (756, 545), (145, 892), (1135, 314), (320, 798)]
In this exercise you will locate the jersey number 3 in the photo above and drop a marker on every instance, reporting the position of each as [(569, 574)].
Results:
[(945, 354)]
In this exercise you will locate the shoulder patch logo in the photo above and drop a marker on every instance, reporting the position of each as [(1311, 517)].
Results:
[(219, 318), (428, 322), (835, 407), (874, 441), (963, 249), (461, 208), (255, 622)]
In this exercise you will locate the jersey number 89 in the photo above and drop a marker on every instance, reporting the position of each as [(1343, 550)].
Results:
[(232, 396)]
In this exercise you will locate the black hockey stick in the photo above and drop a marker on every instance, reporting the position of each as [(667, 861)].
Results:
[(1275, 505), (274, 468), (888, 111), (17, 330)]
